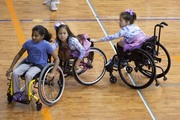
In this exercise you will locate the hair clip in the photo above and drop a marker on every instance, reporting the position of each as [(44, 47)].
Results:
[(56, 25), (129, 11)]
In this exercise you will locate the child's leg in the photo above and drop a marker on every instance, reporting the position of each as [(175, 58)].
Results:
[(119, 48), (29, 76), (16, 73), (77, 65), (120, 52)]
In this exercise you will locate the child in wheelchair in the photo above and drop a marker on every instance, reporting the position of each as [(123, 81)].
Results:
[(69, 46), (133, 36), (38, 49)]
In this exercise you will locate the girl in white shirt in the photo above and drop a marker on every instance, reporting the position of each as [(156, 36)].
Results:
[(133, 36)]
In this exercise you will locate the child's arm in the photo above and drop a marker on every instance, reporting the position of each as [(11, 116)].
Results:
[(95, 40), (56, 64), (109, 37), (55, 44), (16, 58)]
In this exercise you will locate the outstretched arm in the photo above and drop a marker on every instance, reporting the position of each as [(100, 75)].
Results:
[(56, 64), (109, 37), (95, 40), (16, 58)]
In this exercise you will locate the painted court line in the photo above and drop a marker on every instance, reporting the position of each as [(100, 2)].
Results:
[(102, 18), (139, 91), (101, 25), (15, 21), (21, 39)]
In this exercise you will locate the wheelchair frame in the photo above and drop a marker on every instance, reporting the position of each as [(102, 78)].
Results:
[(41, 80), (86, 66), (31, 93), (149, 51)]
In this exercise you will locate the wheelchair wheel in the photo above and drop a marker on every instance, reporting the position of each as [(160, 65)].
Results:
[(113, 79), (38, 105), (91, 67), (162, 61), (51, 91), (9, 98), (138, 63)]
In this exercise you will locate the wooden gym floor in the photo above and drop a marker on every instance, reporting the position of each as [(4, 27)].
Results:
[(104, 100)]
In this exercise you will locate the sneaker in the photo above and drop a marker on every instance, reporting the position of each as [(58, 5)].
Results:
[(23, 98), (116, 61), (109, 62), (17, 95), (53, 6), (78, 69), (124, 63), (46, 2), (56, 1), (109, 65)]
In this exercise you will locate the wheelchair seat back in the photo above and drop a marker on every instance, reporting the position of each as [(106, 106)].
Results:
[(85, 42), (149, 45), (68, 62)]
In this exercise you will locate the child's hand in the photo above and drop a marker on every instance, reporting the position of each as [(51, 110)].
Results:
[(93, 40), (8, 72), (50, 76)]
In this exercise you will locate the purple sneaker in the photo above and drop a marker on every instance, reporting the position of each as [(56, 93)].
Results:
[(17, 95), (23, 98)]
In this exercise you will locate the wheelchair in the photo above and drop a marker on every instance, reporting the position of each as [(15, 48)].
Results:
[(144, 64), (91, 67), (49, 91)]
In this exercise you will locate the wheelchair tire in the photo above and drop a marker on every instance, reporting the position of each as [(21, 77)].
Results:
[(91, 67), (38, 106), (137, 61), (165, 62), (51, 92), (9, 98), (113, 79)]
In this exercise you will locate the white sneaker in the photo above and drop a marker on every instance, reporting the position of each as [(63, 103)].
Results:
[(56, 1), (53, 6), (47, 2)]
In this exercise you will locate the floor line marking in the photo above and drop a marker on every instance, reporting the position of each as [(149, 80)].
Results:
[(21, 39), (16, 23), (139, 91), (102, 18)]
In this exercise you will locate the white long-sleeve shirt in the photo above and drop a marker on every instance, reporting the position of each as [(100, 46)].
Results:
[(128, 32), (74, 44)]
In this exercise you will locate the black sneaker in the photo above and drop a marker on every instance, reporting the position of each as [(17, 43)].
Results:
[(124, 62), (109, 65), (116, 61), (109, 62)]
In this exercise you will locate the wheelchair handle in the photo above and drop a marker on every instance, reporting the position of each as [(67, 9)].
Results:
[(159, 25), (164, 23)]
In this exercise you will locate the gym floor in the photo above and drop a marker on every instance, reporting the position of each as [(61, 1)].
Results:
[(97, 18)]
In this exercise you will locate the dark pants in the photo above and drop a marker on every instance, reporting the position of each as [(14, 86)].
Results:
[(119, 50)]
